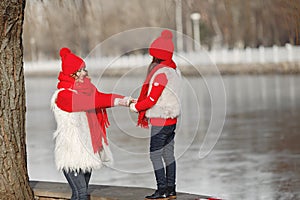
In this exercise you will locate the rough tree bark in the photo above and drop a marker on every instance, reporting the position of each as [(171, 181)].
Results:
[(13, 167)]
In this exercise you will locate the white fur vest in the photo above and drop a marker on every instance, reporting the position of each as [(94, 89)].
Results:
[(73, 146), (168, 104)]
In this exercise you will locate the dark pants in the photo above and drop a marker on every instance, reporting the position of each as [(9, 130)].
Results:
[(162, 148), (78, 182)]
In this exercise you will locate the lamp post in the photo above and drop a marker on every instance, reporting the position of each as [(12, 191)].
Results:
[(178, 16), (196, 29)]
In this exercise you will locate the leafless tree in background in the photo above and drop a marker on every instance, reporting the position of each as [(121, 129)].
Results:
[(82, 24), (264, 23), (13, 176)]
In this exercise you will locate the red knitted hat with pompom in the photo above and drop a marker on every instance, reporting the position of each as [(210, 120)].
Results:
[(70, 63), (163, 46)]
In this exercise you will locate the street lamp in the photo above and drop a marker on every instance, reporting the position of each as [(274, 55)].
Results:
[(196, 28), (178, 17)]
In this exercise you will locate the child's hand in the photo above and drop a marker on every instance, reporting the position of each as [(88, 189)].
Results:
[(132, 107)]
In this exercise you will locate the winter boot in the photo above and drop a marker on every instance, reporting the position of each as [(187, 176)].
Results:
[(171, 192), (159, 194)]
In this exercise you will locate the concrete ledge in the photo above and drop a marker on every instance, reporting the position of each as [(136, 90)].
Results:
[(223, 69), (61, 191)]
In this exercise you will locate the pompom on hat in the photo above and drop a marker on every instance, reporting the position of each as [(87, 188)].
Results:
[(70, 63), (163, 46)]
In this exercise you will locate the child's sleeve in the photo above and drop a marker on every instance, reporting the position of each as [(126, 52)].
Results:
[(159, 83)]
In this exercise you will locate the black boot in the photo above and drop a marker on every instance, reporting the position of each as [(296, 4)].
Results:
[(159, 194), (171, 192)]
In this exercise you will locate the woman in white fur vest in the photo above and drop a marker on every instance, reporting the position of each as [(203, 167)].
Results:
[(79, 109), (159, 103)]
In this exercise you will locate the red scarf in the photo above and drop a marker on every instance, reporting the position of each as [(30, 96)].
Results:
[(142, 119), (97, 118)]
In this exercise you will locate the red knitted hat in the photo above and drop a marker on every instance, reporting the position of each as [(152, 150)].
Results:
[(163, 46), (70, 63)]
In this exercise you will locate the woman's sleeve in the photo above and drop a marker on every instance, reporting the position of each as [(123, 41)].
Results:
[(71, 102), (158, 85)]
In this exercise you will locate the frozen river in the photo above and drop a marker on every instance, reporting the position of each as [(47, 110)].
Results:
[(257, 155)]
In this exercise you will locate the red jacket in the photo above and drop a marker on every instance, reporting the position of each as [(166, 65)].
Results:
[(71, 102), (159, 84)]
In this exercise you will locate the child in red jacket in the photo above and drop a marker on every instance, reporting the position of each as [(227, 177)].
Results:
[(159, 102), (79, 109)]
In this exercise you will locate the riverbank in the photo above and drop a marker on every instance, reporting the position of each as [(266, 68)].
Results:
[(237, 69), (223, 69), (61, 191)]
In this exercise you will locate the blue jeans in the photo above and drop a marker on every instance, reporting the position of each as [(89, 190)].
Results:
[(162, 149), (78, 182)]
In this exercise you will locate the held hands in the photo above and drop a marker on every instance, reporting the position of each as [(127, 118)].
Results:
[(126, 101)]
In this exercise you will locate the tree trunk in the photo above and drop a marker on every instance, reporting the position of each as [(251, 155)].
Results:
[(13, 167)]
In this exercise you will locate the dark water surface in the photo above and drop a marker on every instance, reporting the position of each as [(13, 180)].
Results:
[(257, 155)]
